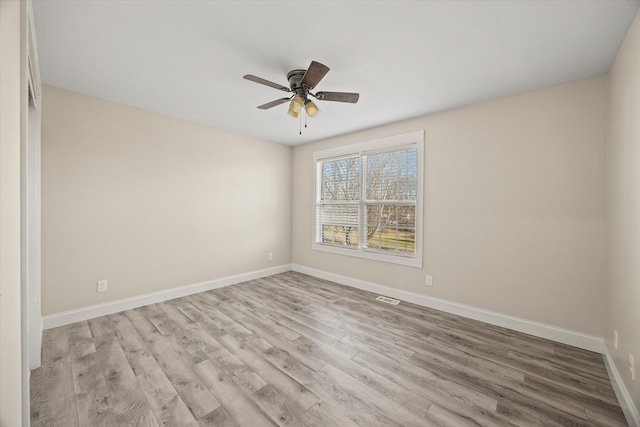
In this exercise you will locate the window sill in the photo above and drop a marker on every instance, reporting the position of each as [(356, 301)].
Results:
[(376, 256)]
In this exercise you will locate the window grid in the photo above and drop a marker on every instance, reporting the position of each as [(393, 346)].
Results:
[(385, 220)]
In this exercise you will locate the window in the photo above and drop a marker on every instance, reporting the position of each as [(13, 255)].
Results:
[(368, 199)]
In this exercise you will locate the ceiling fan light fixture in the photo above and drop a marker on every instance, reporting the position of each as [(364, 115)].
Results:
[(311, 108), (296, 104), (292, 113)]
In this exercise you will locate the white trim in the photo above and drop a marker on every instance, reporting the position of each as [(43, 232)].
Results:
[(626, 402), (376, 256), (80, 314), (410, 140), (32, 235), (542, 330), (370, 146)]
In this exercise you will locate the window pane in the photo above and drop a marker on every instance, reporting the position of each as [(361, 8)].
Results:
[(393, 240), (406, 216), (392, 175), (339, 235), (338, 224), (391, 228), (340, 179), (380, 216)]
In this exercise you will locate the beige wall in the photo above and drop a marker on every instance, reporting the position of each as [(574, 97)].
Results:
[(10, 338), (150, 202), (623, 208), (514, 207)]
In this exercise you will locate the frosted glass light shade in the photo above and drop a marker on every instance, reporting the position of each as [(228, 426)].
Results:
[(311, 108), (295, 106)]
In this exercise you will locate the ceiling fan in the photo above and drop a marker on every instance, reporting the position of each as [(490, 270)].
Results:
[(301, 82)]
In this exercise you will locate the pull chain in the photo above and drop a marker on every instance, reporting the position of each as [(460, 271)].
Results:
[(302, 111)]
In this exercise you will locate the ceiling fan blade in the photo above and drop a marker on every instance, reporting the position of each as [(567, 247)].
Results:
[(273, 103), (314, 74), (266, 82), (338, 96)]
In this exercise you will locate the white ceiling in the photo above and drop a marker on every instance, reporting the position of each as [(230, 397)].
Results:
[(406, 59)]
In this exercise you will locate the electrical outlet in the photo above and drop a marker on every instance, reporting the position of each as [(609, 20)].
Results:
[(632, 367), (270, 256), (428, 280), (102, 286), (615, 339)]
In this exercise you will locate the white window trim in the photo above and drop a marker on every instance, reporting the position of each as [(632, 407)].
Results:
[(413, 139)]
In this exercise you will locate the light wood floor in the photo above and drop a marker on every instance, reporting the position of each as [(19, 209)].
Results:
[(294, 350)]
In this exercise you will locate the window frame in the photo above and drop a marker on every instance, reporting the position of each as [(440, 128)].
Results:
[(411, 140)]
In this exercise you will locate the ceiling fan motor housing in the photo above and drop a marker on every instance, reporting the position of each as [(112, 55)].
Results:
[(295, 77)]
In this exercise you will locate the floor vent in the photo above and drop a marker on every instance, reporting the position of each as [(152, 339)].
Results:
[(388, 300)]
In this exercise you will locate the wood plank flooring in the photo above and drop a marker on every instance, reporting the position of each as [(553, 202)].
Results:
[(293, 350)]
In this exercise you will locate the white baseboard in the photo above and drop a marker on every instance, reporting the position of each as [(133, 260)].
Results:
[(565, 336), (542, 330), (626, 402), (85, 313)]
